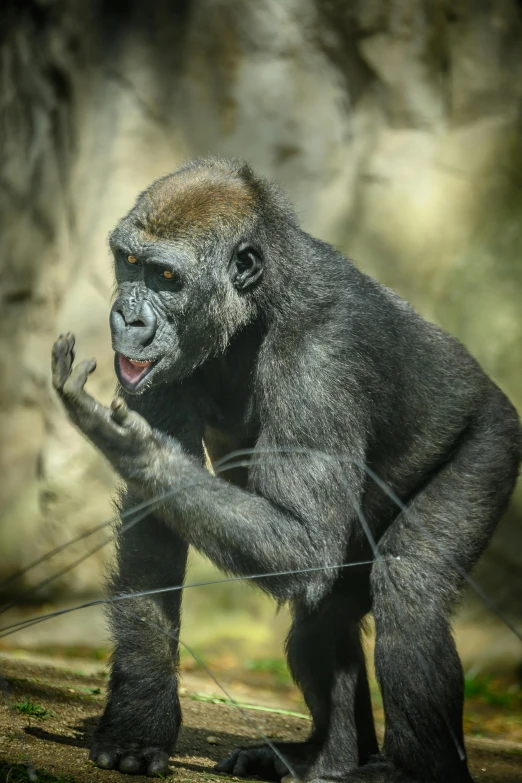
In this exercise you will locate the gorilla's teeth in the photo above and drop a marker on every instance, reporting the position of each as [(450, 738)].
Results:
[(140, 364)]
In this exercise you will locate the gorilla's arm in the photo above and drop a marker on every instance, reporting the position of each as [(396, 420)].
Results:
[(297, 517), (248, 532)]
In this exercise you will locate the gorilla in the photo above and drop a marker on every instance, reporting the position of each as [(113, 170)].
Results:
[(233, 329)]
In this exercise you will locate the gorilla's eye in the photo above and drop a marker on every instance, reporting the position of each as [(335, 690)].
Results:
[(132, 259), (173, 277)]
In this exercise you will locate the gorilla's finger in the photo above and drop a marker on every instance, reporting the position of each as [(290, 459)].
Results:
[(137, 427), (119, 410), (242, 763), (86, 412), (78, 378), (62, 358), (227, 765)]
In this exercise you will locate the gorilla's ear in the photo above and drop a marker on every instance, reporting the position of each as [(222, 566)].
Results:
[(246, 266)]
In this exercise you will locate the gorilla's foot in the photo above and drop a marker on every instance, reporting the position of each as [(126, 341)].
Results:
[(264, 763), (131, 760)]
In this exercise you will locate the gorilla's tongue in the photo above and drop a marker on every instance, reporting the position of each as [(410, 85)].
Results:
[(132, 371)]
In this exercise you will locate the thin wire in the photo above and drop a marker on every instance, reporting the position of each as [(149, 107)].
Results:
[(51, 554), (23, 624), (244, 713), (229, 462), (393, 592), (491, 604), (54, 577), (35, 588), (228, 465), (480, 592), (145, 505), (222, 688), (219, 466)]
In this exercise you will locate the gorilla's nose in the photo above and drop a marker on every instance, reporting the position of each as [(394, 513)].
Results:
[(133, 325)]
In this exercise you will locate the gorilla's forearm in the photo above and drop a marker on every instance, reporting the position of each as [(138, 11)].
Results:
[(239, 531)]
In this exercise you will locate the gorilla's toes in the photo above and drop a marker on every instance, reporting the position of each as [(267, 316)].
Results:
[(106, 760), (149, 761), (158, 764)]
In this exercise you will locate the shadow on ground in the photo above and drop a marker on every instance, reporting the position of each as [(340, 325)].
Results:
[(49, 714)]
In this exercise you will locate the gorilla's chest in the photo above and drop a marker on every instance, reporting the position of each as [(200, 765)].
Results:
[(233, 425)]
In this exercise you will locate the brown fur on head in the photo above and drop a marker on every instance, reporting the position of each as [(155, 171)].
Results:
[(198, 200)]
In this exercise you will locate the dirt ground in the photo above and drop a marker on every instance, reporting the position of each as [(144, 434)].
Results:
[(49, 713)]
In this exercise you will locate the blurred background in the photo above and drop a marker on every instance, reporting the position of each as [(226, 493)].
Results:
[(394, 125)]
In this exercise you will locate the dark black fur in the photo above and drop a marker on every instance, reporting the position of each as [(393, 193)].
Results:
[(268, 338)]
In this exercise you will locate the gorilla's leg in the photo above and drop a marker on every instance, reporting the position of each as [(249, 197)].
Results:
[(327, 662), (447, 527), (138, 729)]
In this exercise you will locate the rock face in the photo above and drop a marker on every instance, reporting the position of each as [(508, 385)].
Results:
[(393, 125)]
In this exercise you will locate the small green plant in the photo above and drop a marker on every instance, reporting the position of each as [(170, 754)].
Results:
[(32, 710)]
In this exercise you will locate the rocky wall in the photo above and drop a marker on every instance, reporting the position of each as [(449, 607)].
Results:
[(393, 124)]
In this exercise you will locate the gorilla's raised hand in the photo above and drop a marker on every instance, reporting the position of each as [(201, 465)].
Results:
[(122, 435)]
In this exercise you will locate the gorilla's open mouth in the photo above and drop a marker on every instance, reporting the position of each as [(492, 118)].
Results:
[(131, 372)]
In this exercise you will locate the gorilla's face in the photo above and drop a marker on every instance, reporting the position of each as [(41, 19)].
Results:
[(183, 285), (145, 319)]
